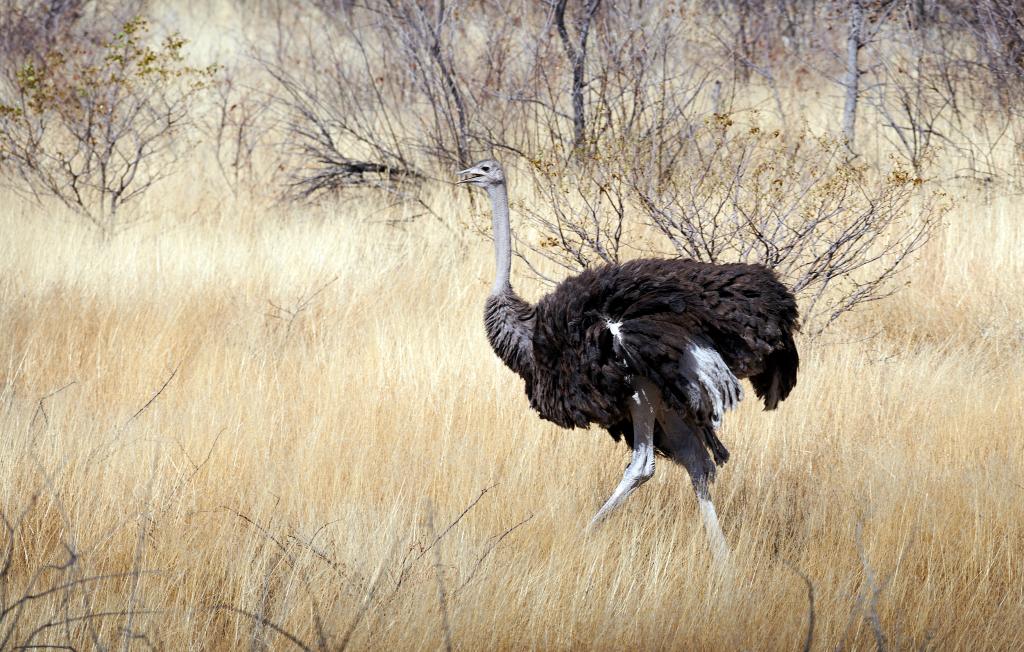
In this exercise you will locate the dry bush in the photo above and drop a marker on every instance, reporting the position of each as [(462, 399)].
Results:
[(377, 93), (238, 127), (30, 26), (616, 130), (58, 577), (95, 126), (943, 76), (352, 85), (582, 217), (408, 90), (838, 233)]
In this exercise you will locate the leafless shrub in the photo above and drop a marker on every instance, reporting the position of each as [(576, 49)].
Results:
[(997, 31), (369, 95), (65, 582), (582, 216), (641, 105), (96, 126), (743, 29), (237, 125), (627, 85), (747, 53), (974, 55), (941, 76), (915, 115), (835, 232), (28, 26), (644, 97), (761, 43), (373, 94), (376, 591), (644, 109), (328, 146), (921, 83), (424, 35)]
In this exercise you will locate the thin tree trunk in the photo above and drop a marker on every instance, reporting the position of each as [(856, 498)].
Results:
[(854, 42), (577, 56), (448, 77)]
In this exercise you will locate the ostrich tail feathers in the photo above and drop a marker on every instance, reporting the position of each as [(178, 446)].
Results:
[(779, 376)]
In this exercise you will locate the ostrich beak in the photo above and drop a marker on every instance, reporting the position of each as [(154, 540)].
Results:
[(467, 175)]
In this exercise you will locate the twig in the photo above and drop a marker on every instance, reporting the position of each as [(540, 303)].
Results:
[(262, 620), (480, 561), (28, 597), (406, 564), (300, 306), (810, 606), (442, 598), (317, 618), (196, 468), (339, 568), (155, 396), (41, 410), (875, 589), (135, 574), (78, 619), (374, 583), (456, 521)]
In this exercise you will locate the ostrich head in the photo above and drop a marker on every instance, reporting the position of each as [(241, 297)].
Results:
[(484, 174)]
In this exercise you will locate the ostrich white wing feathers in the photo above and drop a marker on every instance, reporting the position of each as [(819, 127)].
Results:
[(713, 389)]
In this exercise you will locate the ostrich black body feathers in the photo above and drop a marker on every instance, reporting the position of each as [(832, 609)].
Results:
[(578, 347)]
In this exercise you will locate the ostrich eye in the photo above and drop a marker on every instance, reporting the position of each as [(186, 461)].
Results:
[(486, 168)]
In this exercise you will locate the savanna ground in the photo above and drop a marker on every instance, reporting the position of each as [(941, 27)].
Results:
[(238, 424)]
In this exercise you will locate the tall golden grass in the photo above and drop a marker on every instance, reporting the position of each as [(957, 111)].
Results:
[(252, 424)]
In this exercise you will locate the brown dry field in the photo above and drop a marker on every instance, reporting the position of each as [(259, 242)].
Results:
[(260, 427), (326, 401)]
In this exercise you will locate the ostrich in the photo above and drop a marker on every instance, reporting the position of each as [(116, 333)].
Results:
[(649, 349)]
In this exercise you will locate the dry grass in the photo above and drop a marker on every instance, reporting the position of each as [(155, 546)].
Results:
[(329, 391)]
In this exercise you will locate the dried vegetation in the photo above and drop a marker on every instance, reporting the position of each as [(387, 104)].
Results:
[(254, 405)]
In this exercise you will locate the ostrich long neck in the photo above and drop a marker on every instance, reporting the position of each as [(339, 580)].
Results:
[(502, 239), (508, 319)]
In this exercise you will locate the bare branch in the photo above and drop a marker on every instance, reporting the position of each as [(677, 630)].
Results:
[(155, 395)]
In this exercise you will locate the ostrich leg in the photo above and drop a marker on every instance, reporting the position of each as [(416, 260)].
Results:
[(643, 410), (688, 449)]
